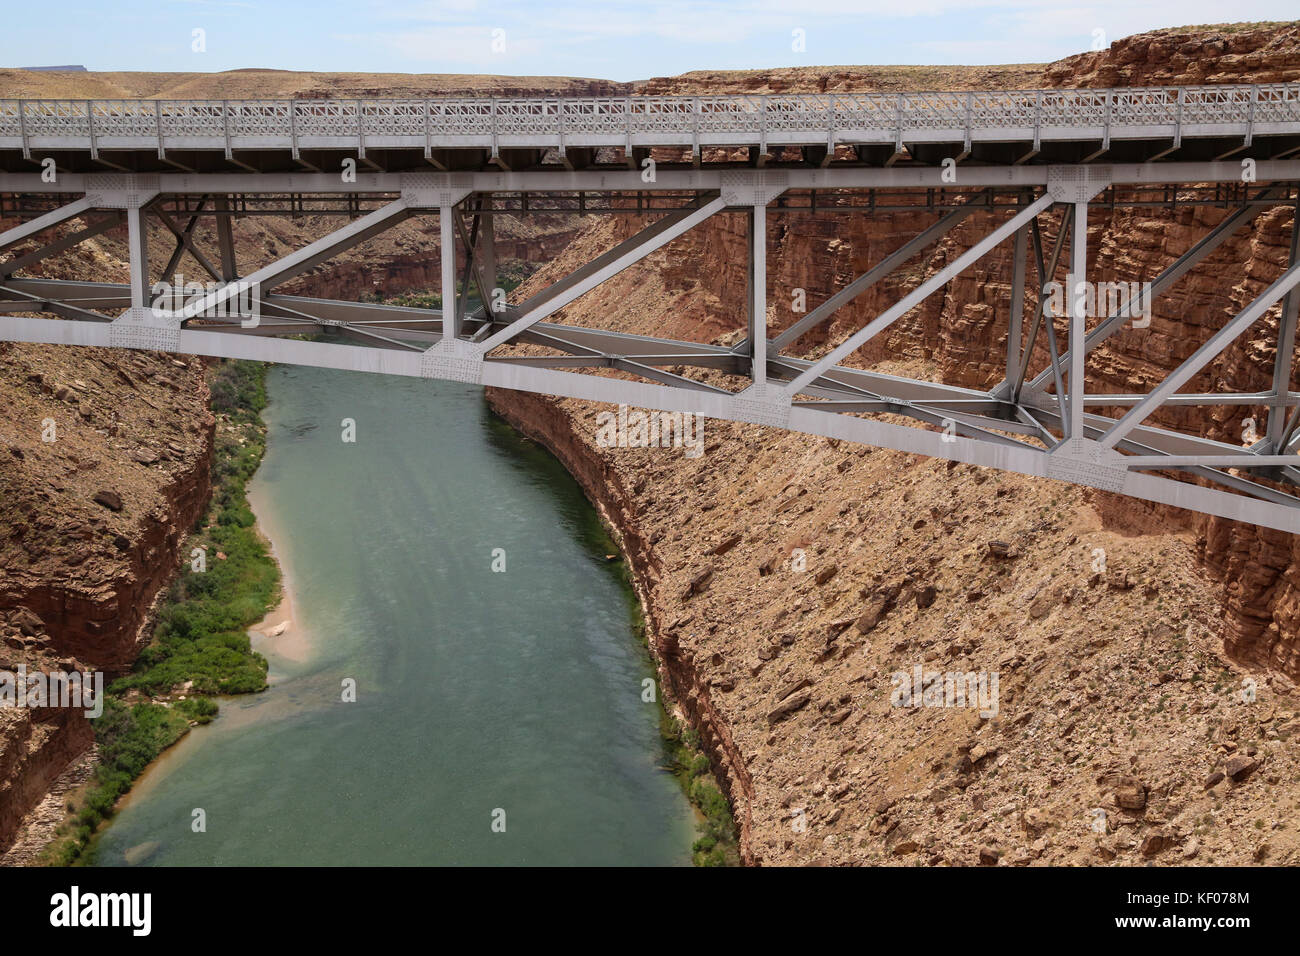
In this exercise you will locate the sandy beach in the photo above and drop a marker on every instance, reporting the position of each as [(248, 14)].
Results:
[(281, 629)]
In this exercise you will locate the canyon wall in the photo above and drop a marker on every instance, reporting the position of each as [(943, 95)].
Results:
[(107, 470), (785, 673), (36, 745), (959, 334), (91, 525), (1226, 53), (786, 670), (104, 469)]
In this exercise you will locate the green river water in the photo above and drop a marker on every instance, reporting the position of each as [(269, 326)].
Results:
[(475, 691)]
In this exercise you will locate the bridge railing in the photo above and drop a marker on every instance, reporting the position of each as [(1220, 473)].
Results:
[(123, 121)]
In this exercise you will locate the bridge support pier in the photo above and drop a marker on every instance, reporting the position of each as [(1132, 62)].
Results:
[(450, 313)]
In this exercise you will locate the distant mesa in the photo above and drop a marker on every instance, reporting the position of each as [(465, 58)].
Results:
[(55, 69)]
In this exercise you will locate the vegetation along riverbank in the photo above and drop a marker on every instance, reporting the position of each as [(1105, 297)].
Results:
[(199, 648)]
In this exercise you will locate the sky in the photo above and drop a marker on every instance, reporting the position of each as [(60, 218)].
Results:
[(612, 39)]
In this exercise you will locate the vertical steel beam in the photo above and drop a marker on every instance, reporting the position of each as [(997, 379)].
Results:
[(1284, 360), (138, 249), (447, 225), (1044, 315), (480, 265), (1078, 319), (1014, 332), (758, 293), (1046, 274), (468, 239), (487, 255), (226, 240)]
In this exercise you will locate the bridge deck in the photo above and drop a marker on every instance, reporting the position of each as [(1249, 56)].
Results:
[(456, 132)]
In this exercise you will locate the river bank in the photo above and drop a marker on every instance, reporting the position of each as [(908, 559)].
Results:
[(714, 777), (199, 649), (788, 580), (457, 669)]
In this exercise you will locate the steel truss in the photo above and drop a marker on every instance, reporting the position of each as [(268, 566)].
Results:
[(849, 202), (1037, 422)]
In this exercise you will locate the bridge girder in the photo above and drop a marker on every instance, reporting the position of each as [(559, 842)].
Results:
[(1017, 425)]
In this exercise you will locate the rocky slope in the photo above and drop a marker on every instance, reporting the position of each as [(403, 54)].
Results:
[(786, 579), (91, 522), (1159, 690), (1226, 53), (847, 565), (963, 329)]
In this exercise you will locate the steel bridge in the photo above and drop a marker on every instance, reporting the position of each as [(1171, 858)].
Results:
[(1013, 160)]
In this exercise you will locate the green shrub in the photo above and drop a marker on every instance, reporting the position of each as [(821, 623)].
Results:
[(200, 633)]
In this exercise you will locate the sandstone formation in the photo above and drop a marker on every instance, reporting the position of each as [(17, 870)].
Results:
[(104, 469), (1123, 734), (1116, 695)]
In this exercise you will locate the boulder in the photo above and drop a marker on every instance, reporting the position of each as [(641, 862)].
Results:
[(699, 584), (727, 544), (1130, 793), (871, 617), (787, 707), (1154, 842), (1238, 767), (1001, 549), (109, 499)]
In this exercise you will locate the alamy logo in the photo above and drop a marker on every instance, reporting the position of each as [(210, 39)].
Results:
[(923, 688), (82, 691), (640, 429), (74, 909), (1104, 300)]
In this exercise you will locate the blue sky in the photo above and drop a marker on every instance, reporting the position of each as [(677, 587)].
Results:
[(614, 39)]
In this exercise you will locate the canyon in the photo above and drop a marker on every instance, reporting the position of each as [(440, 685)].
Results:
[(105, 469), (785, 579)]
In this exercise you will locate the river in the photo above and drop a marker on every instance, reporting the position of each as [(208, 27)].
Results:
[(498, 716)]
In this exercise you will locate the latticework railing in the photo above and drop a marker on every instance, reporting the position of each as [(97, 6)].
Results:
[(716, 116)]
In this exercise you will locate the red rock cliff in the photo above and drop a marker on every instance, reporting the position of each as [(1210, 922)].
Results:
[(962, 329)]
